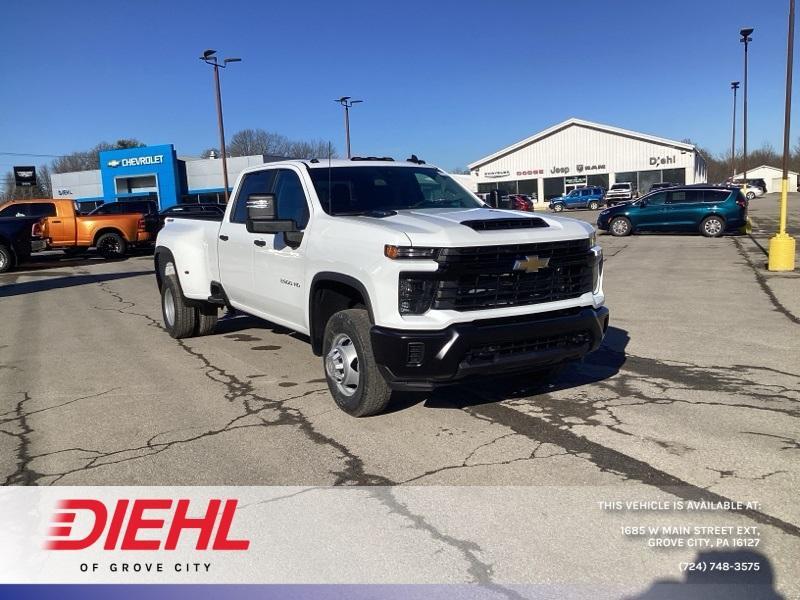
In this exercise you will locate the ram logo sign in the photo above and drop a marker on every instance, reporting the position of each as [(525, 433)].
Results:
[(137, 161)]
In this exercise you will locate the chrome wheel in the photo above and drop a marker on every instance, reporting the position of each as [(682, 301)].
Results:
[(558, 208), (712, 227), (341, 364), (619, 227), (169, 307), (3, 261)]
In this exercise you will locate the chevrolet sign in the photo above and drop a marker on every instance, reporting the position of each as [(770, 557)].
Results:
[(137, 161)]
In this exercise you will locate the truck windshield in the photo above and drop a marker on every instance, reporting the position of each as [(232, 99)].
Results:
[(357, 190)]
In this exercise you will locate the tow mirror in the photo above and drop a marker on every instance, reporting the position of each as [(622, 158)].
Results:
[(261, 213)]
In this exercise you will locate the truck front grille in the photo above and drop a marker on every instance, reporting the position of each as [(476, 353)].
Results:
[(492, 352), (485, 277)]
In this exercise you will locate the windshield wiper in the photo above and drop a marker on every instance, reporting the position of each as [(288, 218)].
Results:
[(378, 213)]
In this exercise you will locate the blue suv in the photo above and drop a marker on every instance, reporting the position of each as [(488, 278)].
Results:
[(586, 197)]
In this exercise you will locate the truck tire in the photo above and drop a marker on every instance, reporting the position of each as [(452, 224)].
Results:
[(6, 258), (355, 383), (111, 245), (180, 318), (207, 315)]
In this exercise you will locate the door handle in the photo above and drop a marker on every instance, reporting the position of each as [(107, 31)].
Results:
[(260, 243), (56, 221), (224, 238)]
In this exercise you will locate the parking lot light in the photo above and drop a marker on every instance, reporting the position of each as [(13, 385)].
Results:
[(745, 39), (734, 87), (347, 103), (209, 57), (782, 245)]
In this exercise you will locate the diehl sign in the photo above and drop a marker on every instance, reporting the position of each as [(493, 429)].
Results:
[(662, 160), (137, 161)]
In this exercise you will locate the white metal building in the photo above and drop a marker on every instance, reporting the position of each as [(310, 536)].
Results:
[(772, 177), (577, 153)]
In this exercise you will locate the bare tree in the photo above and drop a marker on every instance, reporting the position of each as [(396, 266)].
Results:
[(88, 160), (251, 142)]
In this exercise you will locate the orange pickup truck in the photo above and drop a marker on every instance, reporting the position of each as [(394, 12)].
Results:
[(66, 229)]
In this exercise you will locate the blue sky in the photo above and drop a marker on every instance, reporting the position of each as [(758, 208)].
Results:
[(449, 81)]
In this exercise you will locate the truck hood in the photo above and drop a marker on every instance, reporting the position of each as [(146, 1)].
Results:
[(443, 227)]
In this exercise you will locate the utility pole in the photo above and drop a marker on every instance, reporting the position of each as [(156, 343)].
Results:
[(782, 245), (734, 87)]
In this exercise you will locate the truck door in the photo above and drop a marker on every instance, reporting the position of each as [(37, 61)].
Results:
[(236, 245), (278, 263)]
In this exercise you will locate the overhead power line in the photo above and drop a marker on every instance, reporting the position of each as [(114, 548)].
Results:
[(29, 154)]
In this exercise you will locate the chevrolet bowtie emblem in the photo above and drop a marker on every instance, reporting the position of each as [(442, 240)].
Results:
[(531, 264)]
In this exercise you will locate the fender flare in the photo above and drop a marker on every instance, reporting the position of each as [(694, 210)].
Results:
[(332, 276)]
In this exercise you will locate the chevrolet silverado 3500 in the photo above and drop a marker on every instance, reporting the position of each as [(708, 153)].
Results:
[(399, 276)]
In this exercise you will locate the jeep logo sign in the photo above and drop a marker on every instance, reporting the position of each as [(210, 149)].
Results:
[(662, 160), (137, 161)]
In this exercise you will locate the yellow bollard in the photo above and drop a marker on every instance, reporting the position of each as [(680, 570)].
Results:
[(782, 245)]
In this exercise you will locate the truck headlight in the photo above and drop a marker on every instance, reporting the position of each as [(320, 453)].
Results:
[(399, 252), (597, 268), (415, 293)]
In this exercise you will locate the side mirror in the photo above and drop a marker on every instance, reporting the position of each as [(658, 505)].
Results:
[(261, 213)]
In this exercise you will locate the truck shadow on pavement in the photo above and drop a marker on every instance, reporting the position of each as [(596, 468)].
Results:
[(719, 584), (61, 282), (603, 363)]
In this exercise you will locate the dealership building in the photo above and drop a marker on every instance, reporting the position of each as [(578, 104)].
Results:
[(152, 172), (578, 153)]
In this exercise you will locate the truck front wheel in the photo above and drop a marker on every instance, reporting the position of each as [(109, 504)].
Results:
[(355, 383), (6, 258), (180, 319)]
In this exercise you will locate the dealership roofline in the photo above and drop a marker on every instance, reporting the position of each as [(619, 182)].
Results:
[(751, 169), (589, 125)]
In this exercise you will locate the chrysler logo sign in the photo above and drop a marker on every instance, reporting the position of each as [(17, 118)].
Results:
[(137, 161)]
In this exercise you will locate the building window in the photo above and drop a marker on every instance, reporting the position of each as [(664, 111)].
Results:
[(553, 186), (527, 186), (647, 179), (675, 176), (598, 181)]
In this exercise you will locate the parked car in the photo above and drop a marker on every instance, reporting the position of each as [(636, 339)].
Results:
[(400, 277), (586, 197), (66, 229), (661, 186), (711, 210), (755, 187), (210, 211), (127, 207), (520, 202), (19, 237), (620, 192)]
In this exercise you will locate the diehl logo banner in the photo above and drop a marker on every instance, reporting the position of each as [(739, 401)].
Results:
[(137, 161), (662, 160), (108, 524)]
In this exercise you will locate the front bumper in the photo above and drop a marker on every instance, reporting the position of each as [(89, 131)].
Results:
[(423, 360)]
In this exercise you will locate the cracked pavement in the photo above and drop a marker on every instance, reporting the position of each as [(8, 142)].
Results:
[(695, 393)]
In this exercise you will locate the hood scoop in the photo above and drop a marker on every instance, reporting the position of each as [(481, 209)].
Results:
[(498, 224)]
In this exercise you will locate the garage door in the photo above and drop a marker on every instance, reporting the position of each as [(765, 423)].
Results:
[(776, 185)]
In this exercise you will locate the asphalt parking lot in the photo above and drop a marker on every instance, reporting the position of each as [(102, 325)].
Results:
[(694, 393)]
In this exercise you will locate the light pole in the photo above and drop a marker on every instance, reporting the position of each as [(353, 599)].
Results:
[(746, 39), (348, 104), (734, 87), (781, 245), (209, 57)]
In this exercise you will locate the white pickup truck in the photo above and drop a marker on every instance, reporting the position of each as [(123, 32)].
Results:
[(400, 277)]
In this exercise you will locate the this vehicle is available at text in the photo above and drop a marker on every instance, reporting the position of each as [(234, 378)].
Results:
[(66, 229), (711, 210), (400, 277)]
